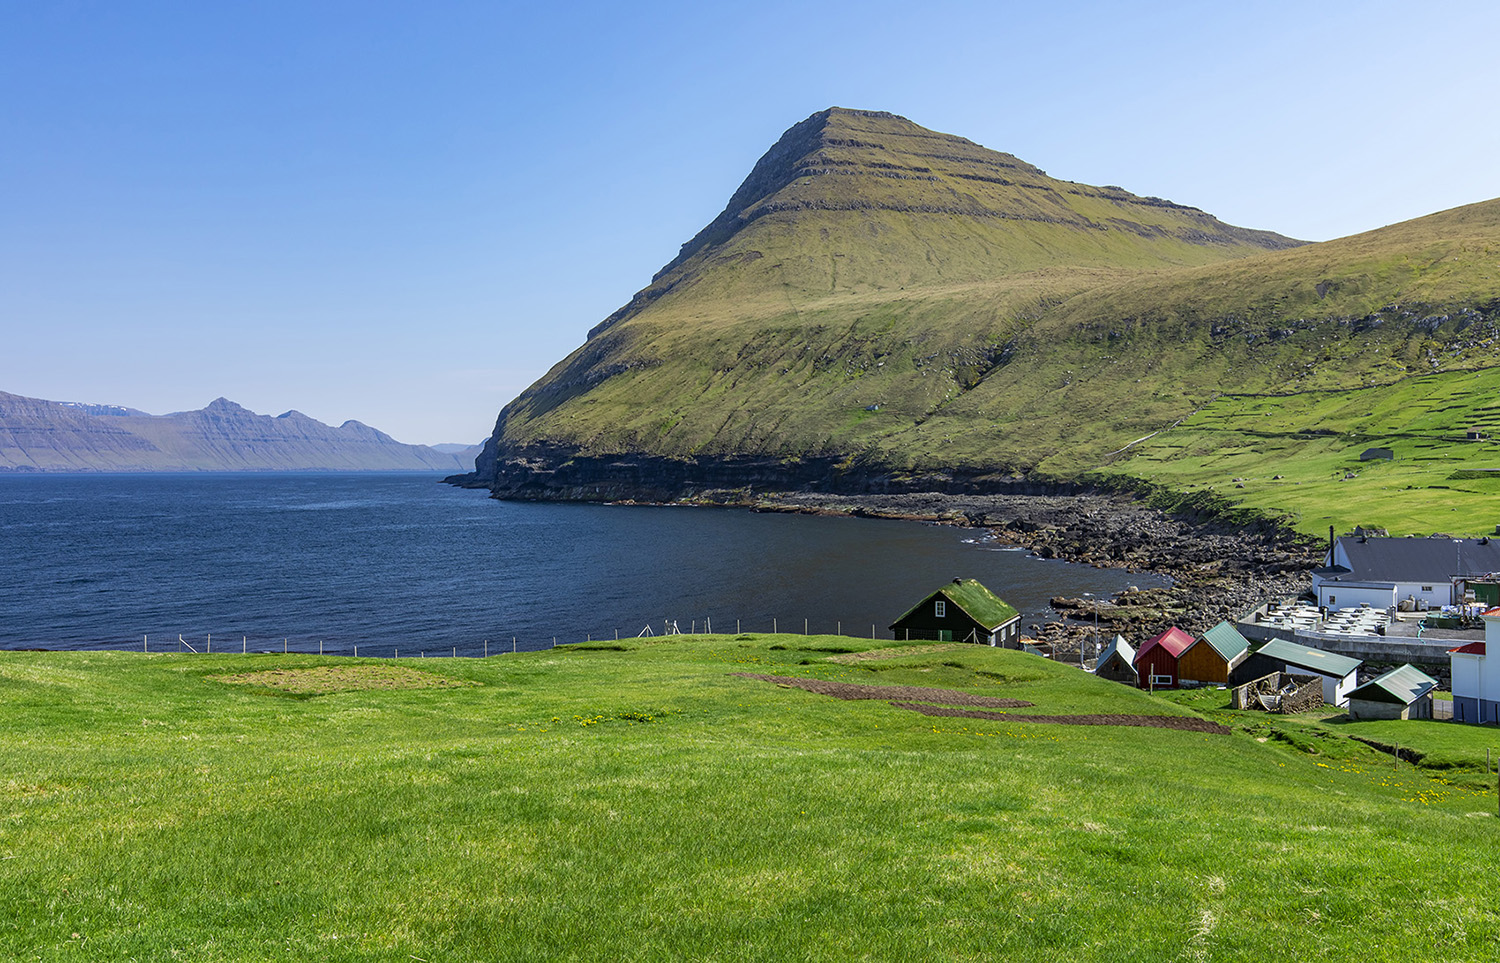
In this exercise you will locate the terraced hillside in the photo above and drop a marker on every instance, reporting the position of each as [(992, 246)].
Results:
[(881, 307)]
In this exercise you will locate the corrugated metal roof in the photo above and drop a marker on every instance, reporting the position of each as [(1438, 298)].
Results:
[(1405, 685), (1226, 640), (1174, 640), (1473, 648), (1418, 559), (1327, 663), (1118, 644), (976, 601)]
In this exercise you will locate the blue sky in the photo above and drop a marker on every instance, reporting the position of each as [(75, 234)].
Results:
[(404, 213)]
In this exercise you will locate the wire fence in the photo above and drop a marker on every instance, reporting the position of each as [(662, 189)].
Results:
[(212, 644)]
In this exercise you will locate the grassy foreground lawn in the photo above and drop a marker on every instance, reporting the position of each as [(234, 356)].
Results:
[(642, 803)]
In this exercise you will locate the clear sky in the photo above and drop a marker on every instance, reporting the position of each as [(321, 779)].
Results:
[(405, 212)]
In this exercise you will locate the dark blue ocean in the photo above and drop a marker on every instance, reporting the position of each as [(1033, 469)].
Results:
[(400, 561)]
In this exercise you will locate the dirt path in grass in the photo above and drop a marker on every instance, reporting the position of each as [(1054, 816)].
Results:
[(1183, 723), (895, 652), (886, 693)]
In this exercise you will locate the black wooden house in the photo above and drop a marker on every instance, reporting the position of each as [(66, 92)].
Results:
[(962, 611)]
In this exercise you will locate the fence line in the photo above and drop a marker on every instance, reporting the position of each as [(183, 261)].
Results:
[(481, 649)]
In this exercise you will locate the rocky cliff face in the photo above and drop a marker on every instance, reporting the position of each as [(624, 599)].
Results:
[(38, 435)]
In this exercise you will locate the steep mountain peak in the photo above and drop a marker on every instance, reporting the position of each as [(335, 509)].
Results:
[(223, 406), (842, 142), (858, 201)]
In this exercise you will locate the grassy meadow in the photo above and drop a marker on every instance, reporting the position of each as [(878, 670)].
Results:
[(639, 801), (1298, 456)]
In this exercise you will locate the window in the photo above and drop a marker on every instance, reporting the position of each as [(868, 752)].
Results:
[(1160, 679), (941, 609), (1333, 600), (1427, 588)]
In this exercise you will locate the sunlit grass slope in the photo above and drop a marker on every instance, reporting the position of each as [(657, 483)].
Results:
[(864, 261), (638, 801), (1299, 455), (907, 301)]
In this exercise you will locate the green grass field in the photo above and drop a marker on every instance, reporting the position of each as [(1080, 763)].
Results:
[(629, 801), (1299, 455)]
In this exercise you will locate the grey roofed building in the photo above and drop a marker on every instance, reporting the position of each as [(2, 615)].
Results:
[(1117, 662), (1382, 572)]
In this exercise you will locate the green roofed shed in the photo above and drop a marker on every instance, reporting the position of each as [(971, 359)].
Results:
[(962, 611), (1212, 656), (1402, 693), (1278, 655)]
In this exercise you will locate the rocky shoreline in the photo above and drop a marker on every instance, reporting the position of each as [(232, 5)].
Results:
[(1218, 570)]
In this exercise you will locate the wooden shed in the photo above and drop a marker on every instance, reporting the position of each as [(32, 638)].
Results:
[(962, 611), (1402, 693), (1117, 662), (1156, 662), (1208, 660)]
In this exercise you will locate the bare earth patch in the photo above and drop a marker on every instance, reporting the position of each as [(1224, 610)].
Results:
[(849, 690), (1184, 723), (325, 679), (895, 652)]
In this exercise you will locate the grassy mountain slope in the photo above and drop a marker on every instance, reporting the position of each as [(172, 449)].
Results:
[(638, 801), (1133, 356), (887, 300), (1299, 455)]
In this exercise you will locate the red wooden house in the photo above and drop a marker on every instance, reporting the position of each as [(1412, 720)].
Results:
[(1156, 662)]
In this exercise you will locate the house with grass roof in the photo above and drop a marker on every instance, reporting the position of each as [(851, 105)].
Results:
[(1211, 656), (1402, 693), (962, 611)]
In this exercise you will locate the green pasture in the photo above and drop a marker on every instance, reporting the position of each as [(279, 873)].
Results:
[(1299, 455), (638, 801)]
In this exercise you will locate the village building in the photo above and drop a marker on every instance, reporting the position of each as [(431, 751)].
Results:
[(1208, 660), (1476, 677), (1383, 573), (962, 611), (1117, 662), (1337, 672), (1402, 693), (1156, 662)]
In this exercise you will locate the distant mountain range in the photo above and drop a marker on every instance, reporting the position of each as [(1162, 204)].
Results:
[(37, 435)]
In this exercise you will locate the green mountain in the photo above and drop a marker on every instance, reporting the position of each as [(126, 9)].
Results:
[(882, 307)]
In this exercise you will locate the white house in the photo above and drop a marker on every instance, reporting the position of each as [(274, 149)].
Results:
[(1338, 672), (1476, 677), (1383, 572)]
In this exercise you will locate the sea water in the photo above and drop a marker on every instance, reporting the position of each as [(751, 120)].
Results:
[(401, 562)]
